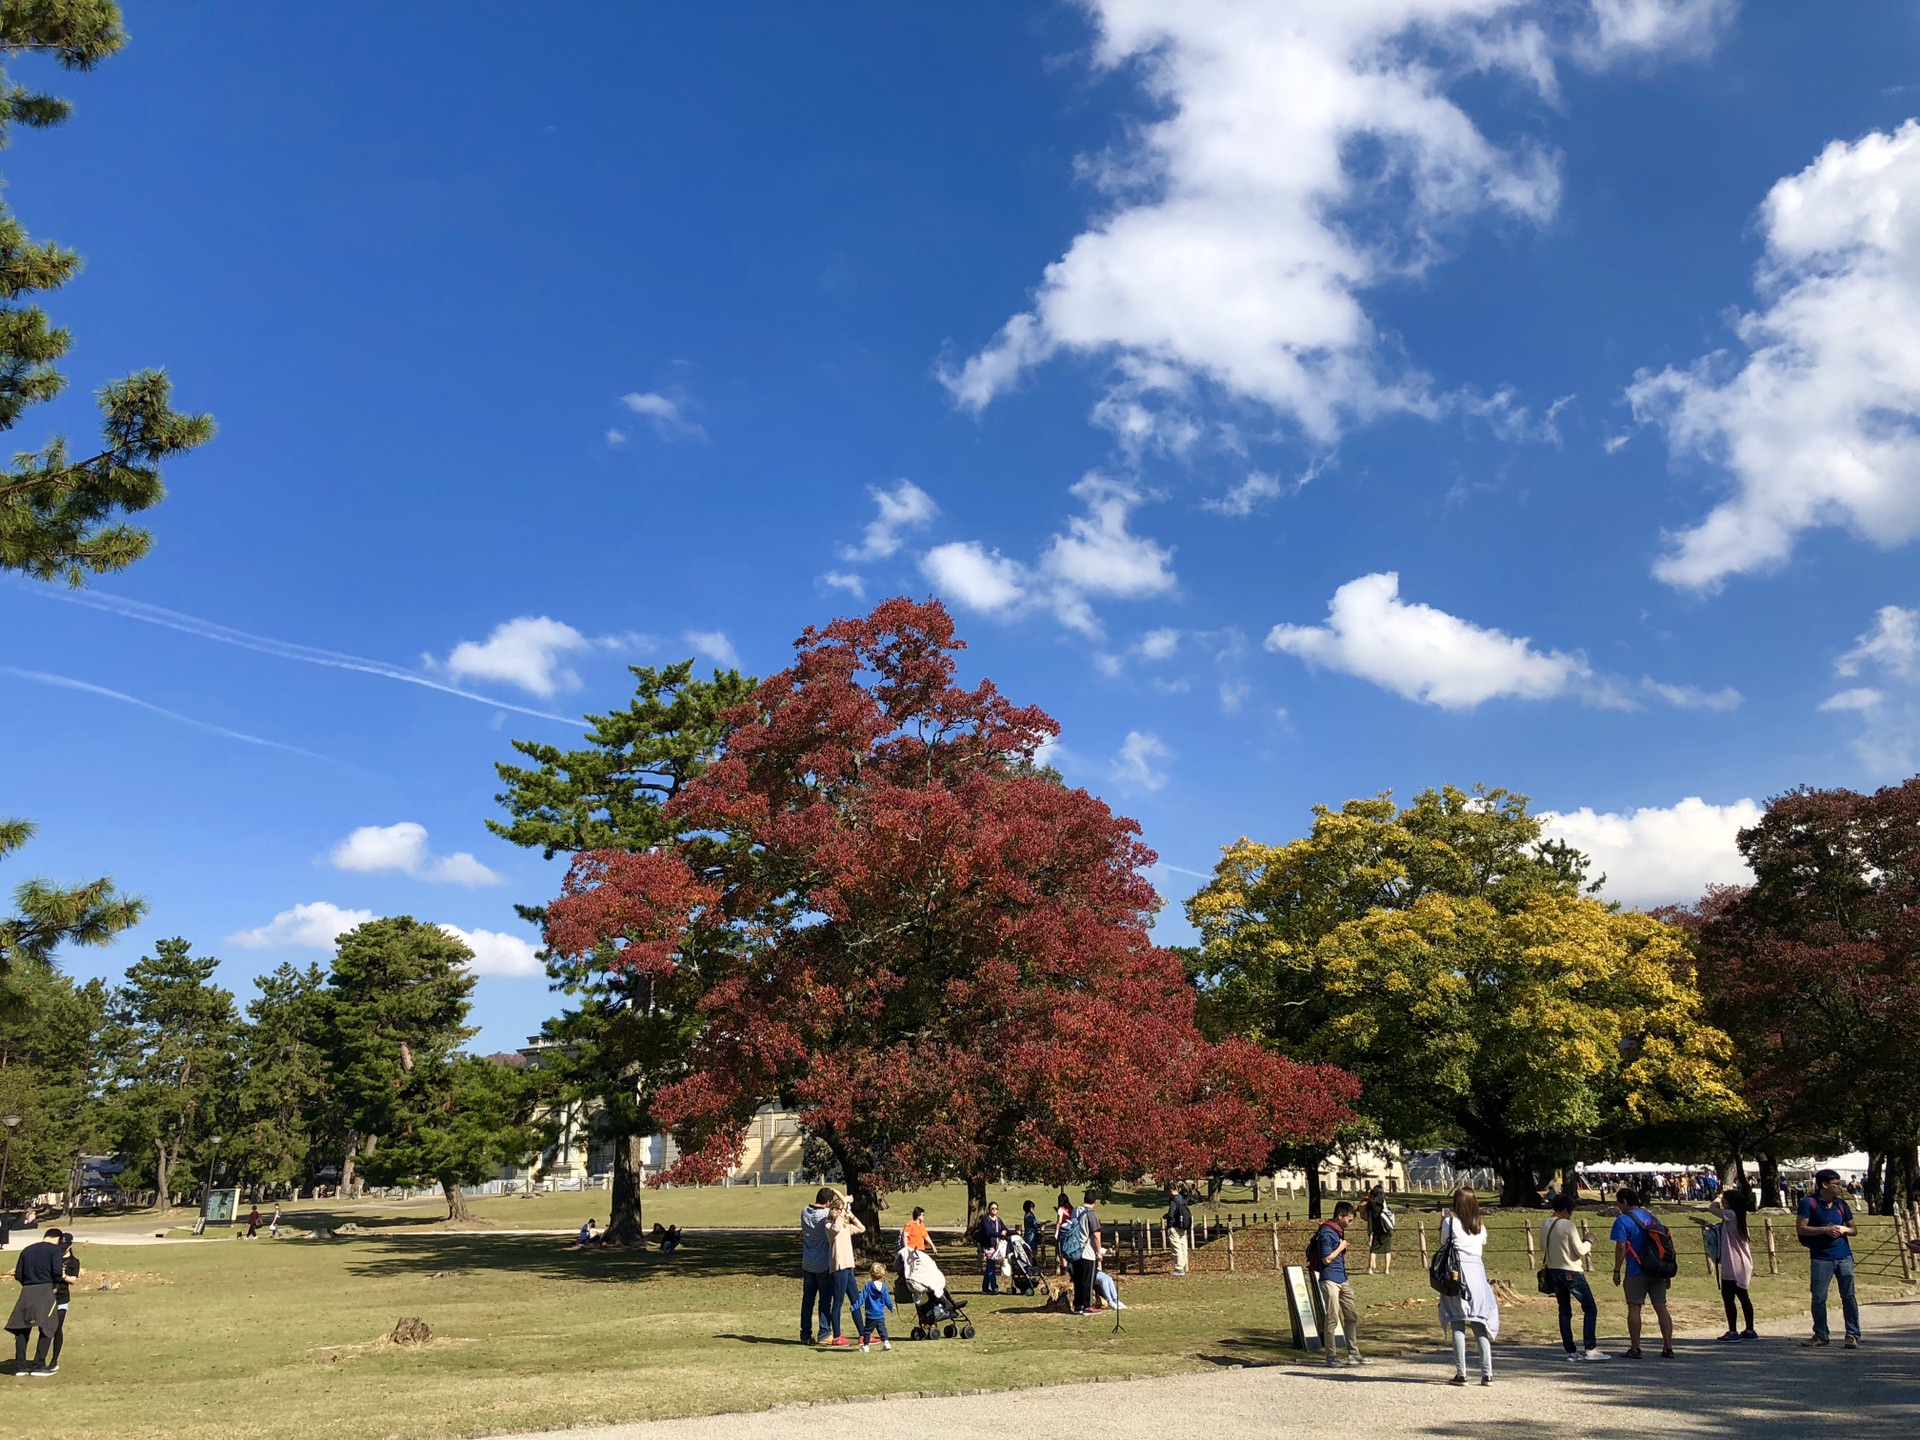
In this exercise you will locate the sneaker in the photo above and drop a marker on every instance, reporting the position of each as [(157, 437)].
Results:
[(840, 1342), (1458, 1380), (44, 1372), (1749, 1334), (886, 1344), (1812, 1342), (51, 1370), (1730, 1335), (1631, 1353), (1666, 1352), (1596, 1354), (1332, 1362), (863, 1347), (1575, 1355), (1353, 1359), (1486, 1379), (1853, 1342)]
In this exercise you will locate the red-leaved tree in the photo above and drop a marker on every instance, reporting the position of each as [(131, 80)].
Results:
[(925, 944)]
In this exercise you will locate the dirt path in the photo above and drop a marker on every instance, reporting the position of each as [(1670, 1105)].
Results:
[(1769, 1387)]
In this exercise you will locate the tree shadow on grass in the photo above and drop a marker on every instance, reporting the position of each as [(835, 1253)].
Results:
[(552, 1258)]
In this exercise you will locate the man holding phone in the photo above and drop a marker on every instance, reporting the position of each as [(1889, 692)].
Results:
[(1823, 1225)]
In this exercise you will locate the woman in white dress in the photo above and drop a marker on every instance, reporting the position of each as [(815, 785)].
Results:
[(1474, 1309)]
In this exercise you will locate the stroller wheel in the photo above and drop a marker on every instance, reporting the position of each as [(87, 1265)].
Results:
[(966, 1332), (916, 1333), (951, 1331)]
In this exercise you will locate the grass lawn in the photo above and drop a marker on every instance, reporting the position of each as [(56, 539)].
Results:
[(226, 1338)]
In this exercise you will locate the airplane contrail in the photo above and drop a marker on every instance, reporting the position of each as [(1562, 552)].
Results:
[(67, 682), (281, 649)]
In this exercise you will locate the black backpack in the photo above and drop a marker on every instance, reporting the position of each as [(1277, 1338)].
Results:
[(1658, 1260), (1443, 1275)]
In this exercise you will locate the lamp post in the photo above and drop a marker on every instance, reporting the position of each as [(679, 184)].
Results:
[(206, 1205), (12, 1122)]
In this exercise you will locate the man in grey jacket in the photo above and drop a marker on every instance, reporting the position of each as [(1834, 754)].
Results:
[(816, 1265)]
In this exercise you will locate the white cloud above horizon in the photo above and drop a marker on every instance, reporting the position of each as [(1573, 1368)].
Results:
[(713, 644), (1426, 654), (1659, 856), (905, 507), (372, 849), (1888, 742), (1097, 556), (1140, 762), (1226, 258), (1816, 422), (497, 953), (523, 652), (667, 416), (310, 927)]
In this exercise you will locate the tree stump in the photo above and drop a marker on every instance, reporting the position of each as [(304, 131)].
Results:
[(410, 1330)]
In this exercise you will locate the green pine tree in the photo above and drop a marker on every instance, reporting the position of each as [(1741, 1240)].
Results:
[(50, 916)]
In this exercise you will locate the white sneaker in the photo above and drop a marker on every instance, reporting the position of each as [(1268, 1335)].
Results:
[(1597, 1355), (886, 1344), (863, 1347), (1575, 1355)]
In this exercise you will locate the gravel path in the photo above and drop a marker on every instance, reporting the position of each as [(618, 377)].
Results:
[(1766, 1388)]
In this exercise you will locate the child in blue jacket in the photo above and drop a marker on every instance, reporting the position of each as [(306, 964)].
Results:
[(870, 1310)]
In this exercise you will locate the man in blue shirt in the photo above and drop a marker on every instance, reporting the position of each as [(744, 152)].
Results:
[(816, 1265), (1329, 1264), (1629, 1236), (1824, 1223)]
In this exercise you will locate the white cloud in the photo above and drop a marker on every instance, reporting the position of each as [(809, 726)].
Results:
[(616, 437), (1690, 697), (403, 847), (313, 927), (1137, 766), (1231, 254), (666, 416), (524, 652), (1233, 694), (965, 572), (1097, 555), (713, 644), (1683, 27), (1160, 644), (1249, 495), (1889, 738), (497, 953), (1656, 856), (905, 507), (844, 580), (1426, 654), (1818, 423)]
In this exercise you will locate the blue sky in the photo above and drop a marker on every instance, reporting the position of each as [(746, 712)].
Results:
[(1295, 400)]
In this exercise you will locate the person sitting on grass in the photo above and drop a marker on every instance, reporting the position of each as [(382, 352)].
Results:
[(585, 1237), (1106, 1293), (870, 1311)]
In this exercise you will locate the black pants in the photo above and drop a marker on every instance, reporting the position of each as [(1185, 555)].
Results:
[(1083, 1269), (1730, 1292)]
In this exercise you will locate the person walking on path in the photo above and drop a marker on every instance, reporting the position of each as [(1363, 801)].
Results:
[(38, 1270), (1563, 1252), (1823, 1225), (1629, 1236), (1179, 1228), (992, 1234), (870, 1310), (1736, 1259), (842, 1226), (1080, 1245), (816, 1264), (1327, 1257), (1380, 1223), (253, 1223), (1475, 1310), (273, 1225)]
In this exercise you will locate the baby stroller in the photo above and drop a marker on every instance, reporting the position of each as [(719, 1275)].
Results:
[(937, 1314), (1021, 1270)]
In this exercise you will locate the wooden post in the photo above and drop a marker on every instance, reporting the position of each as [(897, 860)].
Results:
[(1533, 1262), (1900, 1242), (1229, 1247), (1586, 1261), (1424, 1262), (1276, 1244), (1773, 1255)]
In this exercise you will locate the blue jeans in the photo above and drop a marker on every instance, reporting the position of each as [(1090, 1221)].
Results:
[(1841, 1270), (1571, 1285), (816, 1292)]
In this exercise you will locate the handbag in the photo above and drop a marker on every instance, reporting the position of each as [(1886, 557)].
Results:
[(1443, 1275), (1544, 1281)]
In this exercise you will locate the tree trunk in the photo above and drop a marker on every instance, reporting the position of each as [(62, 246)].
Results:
[(346, 1166), (624, 1206), (1517, 1187), (1870, 1182), (1313, 1187), (162, 1178), (456, 1201), (1910, 1172), (976, 1201), (1769, 1182)]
